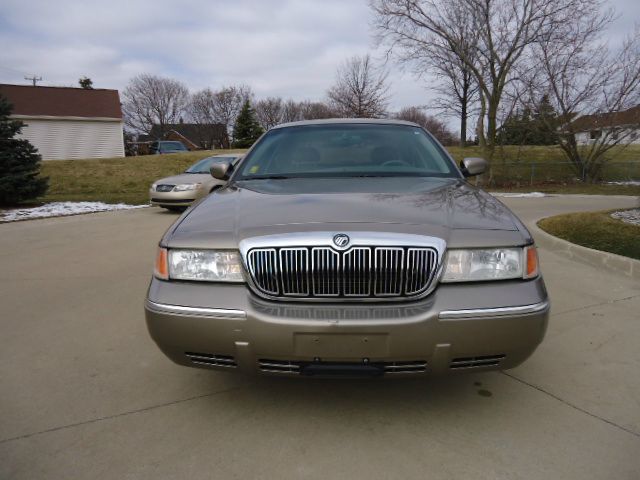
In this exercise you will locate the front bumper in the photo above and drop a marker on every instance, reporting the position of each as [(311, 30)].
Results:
[(459, 327), (174, 199)]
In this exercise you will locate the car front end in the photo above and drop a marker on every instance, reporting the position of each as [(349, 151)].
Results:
[(176, 192), (347, 275)]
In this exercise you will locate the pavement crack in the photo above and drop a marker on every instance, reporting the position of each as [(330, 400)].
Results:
[(118, 415), (571, 405), (585, 307)]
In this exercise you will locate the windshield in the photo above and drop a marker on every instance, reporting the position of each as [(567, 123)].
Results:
[(346, 150), (172, 146), (204, 165)]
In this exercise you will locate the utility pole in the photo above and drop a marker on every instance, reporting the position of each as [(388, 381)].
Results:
[(34, 79)]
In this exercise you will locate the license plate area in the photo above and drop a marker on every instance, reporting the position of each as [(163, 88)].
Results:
[(341, 346)]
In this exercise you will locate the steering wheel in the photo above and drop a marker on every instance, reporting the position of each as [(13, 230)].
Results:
[(395, 163)]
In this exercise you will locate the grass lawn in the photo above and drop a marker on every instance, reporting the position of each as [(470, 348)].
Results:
[(596, 230), (114, 180), (538, 153)]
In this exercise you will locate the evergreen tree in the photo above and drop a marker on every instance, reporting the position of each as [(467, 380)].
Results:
[(531, 128), (546, 123), (86, 83), (517, 129), (19, 162), (247, 129)]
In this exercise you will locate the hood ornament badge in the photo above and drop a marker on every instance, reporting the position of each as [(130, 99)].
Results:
[(341, 240)]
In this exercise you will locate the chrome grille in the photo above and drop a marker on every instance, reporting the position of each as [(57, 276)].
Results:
[(358, 272), (356, 268), (325, 272), (263, 269), (388, 276), (420, 264), (294, 265)]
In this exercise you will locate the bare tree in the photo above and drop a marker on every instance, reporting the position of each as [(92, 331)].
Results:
[(429, 123), (291, 111), (317, 110), (457, 91), (227, 103), (360, 90), (456, 85), (202, 112), (581, 76), (149, 100), (269, 111), (505, 30)]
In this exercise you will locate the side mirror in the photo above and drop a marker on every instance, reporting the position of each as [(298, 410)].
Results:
[(473, 166), (221, 170)]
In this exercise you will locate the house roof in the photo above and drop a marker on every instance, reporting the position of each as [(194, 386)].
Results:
[(607, 120), (190, 131), (62, 101)]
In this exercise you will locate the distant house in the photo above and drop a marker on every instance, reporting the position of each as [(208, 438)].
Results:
[(68, 123), (194, 136), (589, 128)]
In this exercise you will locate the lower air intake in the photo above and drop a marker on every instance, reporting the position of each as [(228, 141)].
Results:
[(476, 362), (342, 368), (211, 360)]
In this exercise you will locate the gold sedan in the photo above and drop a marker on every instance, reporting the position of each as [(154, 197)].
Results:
[(180, 191)]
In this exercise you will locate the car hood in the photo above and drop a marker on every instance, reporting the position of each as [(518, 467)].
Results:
[(411, 205), (185, 178)]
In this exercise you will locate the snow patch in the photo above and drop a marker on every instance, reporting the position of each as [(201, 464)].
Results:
[(59, 209), (628, 216), (519, 195), (629, 182)]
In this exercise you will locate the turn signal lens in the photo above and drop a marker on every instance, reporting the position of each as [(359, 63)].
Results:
[(161, 269), (532, 262)]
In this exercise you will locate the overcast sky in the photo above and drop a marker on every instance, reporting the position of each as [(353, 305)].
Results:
[(288, 48)]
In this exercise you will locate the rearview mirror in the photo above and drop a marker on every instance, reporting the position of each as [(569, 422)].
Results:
[(473, 166), (221, 170)]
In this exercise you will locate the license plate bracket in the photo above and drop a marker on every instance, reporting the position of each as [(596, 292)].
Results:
[(325, 345)]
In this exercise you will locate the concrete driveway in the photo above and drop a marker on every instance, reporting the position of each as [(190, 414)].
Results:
[(86, 394)]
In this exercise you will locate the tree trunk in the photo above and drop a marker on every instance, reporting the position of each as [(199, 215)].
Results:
[(463, 114)]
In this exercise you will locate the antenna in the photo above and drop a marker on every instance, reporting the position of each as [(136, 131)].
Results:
[(34, 79)]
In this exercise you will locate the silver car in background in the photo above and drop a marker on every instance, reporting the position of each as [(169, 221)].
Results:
[(180, 191)]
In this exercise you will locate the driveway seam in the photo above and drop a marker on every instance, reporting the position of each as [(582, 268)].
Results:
[(571, 405), (585, 307), (117, 415)]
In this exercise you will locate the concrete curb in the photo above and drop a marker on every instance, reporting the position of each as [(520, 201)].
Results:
[(629, 267)]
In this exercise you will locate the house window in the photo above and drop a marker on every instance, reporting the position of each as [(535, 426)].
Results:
[(594, 134)]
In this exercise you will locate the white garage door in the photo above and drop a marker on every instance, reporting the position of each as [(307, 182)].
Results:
[(69, 139)]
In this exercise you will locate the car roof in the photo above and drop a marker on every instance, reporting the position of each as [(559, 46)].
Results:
[(351, 121)]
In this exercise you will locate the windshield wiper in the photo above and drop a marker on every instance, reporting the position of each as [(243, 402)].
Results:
[(269, 177), (373, 175)]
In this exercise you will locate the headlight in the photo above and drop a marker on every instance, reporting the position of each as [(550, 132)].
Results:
[(200, 265), (490, 264), (183, 187)]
